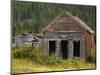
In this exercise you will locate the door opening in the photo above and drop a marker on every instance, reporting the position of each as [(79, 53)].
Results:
[(64, 48), (76, 48), (52, 47)]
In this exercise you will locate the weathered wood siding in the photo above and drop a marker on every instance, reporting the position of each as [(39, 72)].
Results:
[(70, 28), (90, 44)]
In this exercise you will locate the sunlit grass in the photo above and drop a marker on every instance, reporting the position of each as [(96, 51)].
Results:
[(27, 60), (26, 66)]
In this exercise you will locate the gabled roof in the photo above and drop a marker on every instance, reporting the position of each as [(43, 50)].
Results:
[(84, 25), (74, 18)]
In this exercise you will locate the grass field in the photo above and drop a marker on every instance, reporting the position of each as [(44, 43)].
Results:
[(25, 60), (25, 66)]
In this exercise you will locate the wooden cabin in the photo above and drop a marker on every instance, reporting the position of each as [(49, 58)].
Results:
[(68, 36)]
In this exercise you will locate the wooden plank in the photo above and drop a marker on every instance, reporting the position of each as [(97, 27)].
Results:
[(82, 49), (70, 49), (58, 51), (46, 45)]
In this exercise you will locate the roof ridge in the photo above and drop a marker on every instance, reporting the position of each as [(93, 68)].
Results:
[(64, 12)]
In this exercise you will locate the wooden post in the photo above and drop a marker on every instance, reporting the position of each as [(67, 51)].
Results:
[(57, 53), (46, 45), (82, 49), (70, 49)]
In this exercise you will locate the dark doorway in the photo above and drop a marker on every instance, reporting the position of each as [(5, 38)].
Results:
[(76, 48), (64, 48), (52, 47)]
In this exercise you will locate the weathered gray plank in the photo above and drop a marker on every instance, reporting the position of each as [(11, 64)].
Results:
[(82, 49), (57, 53), (70, 49)]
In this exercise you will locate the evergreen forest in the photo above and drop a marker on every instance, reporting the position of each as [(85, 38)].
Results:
[(34, 16)]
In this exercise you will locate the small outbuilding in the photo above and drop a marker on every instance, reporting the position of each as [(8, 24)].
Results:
[(68, 36), (26, 40)]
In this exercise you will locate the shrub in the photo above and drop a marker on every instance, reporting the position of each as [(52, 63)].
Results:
[(51, 60), (38, 55), (41, 57), (23, 52), (92, 57)]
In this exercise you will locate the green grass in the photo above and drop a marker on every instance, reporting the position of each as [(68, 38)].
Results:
[(27, 60)]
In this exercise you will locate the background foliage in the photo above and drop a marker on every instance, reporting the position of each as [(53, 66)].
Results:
[(34, 16)]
